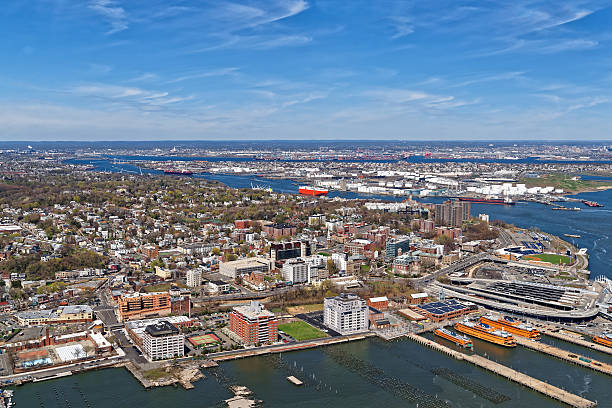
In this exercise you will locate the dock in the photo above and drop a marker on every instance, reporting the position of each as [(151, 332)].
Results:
[(509, 373), (565, 355), (294, 380), (579, 341)]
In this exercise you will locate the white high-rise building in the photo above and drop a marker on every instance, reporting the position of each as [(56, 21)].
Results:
[(296, 271), (346, 314), (161, 341), (194, 278)]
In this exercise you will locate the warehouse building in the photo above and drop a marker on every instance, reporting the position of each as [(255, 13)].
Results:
[(240, 267)]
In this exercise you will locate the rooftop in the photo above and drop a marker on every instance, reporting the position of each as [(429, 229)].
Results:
[(253, 310), (161, 328), (75, 309)]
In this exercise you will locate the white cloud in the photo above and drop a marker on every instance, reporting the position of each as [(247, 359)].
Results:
[(206, 74), (129, 96), (112, 12), (402, 25)]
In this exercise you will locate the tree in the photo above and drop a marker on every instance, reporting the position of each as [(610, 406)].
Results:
[(331, 267), (445, 240)]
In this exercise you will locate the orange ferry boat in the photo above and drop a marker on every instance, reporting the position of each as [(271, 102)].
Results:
[(512, 326), (456, 338), (485, 332), (605, 339)]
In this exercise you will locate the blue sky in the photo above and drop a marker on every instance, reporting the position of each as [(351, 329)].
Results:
[(305, 69)]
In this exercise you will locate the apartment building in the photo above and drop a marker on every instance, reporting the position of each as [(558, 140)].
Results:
[(346, 313), (254, 324), (141, 305)]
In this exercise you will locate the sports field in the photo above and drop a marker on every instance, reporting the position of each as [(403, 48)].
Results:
[(300, 330), (204, 340), (551, 258)]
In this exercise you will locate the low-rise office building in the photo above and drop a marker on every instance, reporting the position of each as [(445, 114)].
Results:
[(63, 314)]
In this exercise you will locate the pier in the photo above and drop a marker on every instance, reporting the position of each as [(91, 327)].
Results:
[(513, 375), (579, 341), (565, 355)]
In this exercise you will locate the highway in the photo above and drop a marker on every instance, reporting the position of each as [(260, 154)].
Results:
[(452, 268)]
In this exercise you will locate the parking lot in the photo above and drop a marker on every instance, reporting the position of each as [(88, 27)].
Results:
[(316, 319)]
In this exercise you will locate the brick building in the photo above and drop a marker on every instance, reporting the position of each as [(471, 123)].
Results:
[(452, 213), (358, 247), (141, 305), (254, 324), (279, 230), (380, 303)]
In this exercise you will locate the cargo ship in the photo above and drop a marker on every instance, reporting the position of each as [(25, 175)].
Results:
[(485, 332), (498, 201), (456, 338), (178, 172), (511, 326), (591, 203), (605, 339), (312, 191)]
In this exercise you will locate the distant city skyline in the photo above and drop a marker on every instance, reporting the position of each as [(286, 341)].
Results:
[(295, 69)]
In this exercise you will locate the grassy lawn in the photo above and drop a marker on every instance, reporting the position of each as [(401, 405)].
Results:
[(300, 330), (155, 374), (305, 308), (551, 258), (565, 182), (161, 287)]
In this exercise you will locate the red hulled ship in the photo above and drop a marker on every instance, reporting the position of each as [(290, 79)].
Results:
[(312, 191)]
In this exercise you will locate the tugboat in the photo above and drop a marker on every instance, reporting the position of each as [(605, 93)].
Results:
[(591, 203)]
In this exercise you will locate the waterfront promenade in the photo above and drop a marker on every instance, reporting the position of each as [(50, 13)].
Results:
[(281, 348), (513, 375)]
